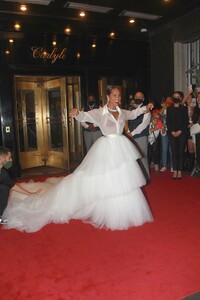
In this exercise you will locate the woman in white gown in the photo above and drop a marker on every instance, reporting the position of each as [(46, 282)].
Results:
[(104, 190)]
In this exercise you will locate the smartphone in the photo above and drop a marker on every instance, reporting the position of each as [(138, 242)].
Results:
[(194, 102), (190, 88), (159, 124)]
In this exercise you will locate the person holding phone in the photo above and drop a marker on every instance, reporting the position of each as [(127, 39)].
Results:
[(156, 130)]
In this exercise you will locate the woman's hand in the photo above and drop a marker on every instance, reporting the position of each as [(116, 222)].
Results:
[(176, 133), (150, 106), (163, 129), (164, 105), (74, 112)]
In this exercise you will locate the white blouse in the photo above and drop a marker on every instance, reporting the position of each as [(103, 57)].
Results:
[(106, 121)]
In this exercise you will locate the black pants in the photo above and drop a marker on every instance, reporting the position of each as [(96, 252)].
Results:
[(198, 148), (178, 148), (154, 152), (4, 194)]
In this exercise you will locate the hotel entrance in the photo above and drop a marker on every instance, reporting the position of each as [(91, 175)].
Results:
[(46, 134)]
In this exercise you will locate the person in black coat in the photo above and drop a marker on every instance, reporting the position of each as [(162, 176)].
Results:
[(177, 126), (196, 119)]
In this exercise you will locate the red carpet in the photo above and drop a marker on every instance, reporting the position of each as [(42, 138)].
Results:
[(158, 261)]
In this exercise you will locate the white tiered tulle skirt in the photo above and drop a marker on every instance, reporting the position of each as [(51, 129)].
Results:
[(104, 191)]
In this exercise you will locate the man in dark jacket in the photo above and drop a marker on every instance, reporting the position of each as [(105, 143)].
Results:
[(139, 129)]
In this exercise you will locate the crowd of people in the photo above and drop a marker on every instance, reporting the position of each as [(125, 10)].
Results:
[(171, 142), (162, 136)]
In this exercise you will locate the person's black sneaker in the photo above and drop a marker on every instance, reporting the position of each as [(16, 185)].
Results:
[(2, 221)]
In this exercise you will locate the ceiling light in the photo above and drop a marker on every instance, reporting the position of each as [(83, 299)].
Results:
[(11, 41), (132, 14), (39, 2), (23, 7), (54, 42), (82, 14), (78, 55), (88, 7), (131, 21), (67, 30), (93, 45), (17, 26), (7, 52), (112, 35)]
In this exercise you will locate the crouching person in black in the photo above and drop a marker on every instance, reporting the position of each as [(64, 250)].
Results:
[(6, 183)]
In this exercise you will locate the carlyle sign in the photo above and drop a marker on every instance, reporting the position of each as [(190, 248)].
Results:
[(53, 56)]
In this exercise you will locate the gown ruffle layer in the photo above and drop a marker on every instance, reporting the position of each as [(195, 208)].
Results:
[(104, 191)]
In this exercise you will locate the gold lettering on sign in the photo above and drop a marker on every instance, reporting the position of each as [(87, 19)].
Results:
[(39, 52)]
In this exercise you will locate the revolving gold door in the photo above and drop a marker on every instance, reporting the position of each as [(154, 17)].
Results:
[(43, 126)]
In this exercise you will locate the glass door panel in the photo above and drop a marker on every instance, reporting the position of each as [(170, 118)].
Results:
[(55, 120), (28, 129)]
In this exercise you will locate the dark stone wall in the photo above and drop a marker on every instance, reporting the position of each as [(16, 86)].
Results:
[(184, 30), (162, 65)]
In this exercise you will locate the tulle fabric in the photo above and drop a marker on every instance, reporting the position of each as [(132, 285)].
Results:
[(104, 191)]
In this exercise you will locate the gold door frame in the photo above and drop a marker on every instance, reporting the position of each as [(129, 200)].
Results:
[(68, 89)]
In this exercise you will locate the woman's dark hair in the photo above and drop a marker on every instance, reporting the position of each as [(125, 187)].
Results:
[(180, 94), (111, 88)]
